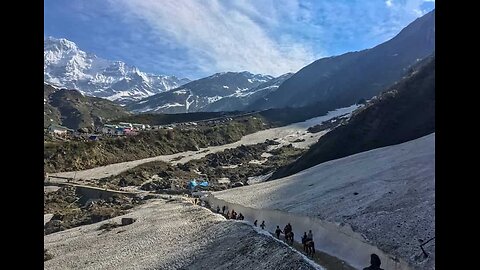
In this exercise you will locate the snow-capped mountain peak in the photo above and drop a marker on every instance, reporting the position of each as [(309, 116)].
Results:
[(67, 66), (220, 91)]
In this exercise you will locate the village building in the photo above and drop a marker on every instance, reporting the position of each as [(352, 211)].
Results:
[(59, 130)]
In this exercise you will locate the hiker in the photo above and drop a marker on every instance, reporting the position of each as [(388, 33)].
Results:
[(223, 210), (262, 225), (310, 235), (288, 232), (218, 209), (195, 201), (255, 223), (374, 263), (278, 231), (287, 229), (304, 241), (234, 214), (240, 216), (228, 214)]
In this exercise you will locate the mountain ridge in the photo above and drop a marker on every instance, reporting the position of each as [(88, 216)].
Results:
[(405, 111), (199, 95), (72, 109), (343, 80), (67, 66)]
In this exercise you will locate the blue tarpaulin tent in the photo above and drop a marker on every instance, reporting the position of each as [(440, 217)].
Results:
[(193, 184)]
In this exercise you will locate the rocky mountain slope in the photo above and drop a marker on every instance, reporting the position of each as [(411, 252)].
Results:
[(404, 112), (240, 101), (72, 109), (200, 95), (339, 81)]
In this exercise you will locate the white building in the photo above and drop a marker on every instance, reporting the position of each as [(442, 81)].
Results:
[(59, 130), (139, 126), (109, 129), (124, 124)]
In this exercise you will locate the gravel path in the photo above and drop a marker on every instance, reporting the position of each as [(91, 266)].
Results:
[(285, 135)]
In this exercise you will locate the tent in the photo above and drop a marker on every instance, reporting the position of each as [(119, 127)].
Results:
[(192, 184)]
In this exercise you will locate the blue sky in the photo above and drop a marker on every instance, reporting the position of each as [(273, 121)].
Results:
[(196, 38)]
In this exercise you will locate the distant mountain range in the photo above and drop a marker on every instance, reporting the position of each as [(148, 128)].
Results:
[(343, 80), (326, 84), (405, 111), (66, 66), (208, 94), (239, 101), (71, 109)]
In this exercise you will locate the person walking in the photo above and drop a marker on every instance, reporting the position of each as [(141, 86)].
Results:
[(278, 231), (310, 235), (262, 225), (304, 241), (374, 263), (255, 223)]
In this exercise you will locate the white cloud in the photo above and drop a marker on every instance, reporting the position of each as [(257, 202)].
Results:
[(221, 36), (407, 8)]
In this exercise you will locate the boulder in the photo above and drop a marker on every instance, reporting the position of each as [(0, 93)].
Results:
[(237, 184), (54, 226), (127, 221), (83, 130)]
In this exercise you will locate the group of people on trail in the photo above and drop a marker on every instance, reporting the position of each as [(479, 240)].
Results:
[(234, 215), (261, 225), (308, 243), (287, 231), (307, 238)]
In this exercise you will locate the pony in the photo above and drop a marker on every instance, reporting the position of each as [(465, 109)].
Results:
[(309, 247), (289, 237)]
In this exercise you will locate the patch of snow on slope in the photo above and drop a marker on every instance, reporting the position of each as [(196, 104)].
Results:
[(386, 194), (180, 92), (258, 179), (207, 241), (168, 105), (213, 99), (187, 103), (141, 102), (125, 94)]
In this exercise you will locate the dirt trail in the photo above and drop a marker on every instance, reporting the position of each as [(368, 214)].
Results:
[(285, 135)]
